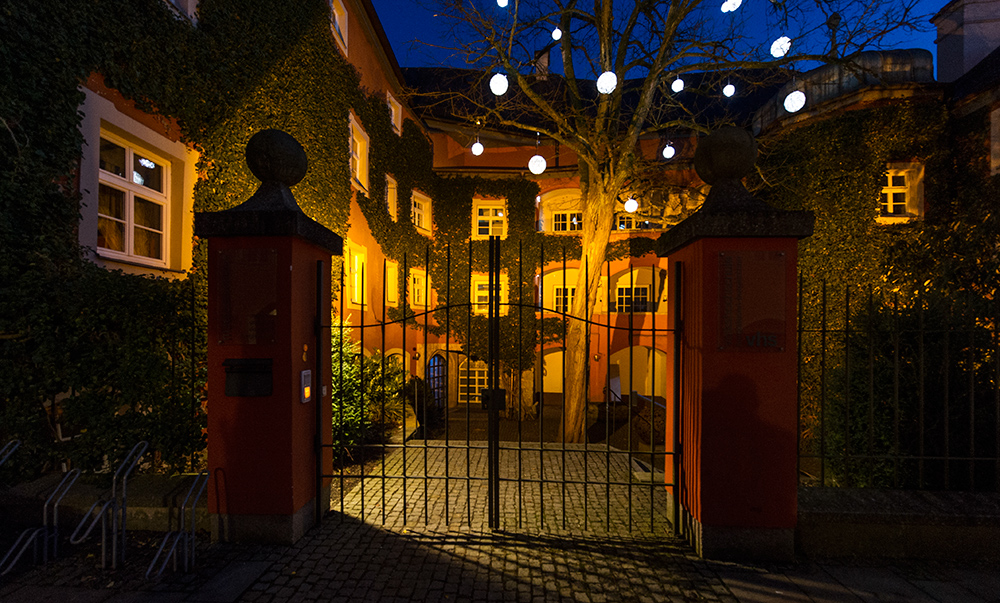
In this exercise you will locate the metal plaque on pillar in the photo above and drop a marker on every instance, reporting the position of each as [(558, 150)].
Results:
[(752, 301)]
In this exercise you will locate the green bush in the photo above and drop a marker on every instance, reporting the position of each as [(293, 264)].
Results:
[(367, 392)]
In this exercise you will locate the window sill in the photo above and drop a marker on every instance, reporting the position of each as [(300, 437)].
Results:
[(131, 261)]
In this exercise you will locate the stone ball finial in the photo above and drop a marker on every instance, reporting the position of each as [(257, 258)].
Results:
[(729, 153), (273, 155)]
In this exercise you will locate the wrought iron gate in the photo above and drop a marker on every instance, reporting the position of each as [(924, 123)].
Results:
[(407, 450)]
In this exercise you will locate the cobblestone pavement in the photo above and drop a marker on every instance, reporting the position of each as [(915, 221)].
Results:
[(378, 558)]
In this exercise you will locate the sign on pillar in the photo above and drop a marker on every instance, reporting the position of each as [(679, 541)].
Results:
[(268, 363)]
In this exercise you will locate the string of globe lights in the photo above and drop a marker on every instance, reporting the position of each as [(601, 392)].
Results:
[(607, 82)]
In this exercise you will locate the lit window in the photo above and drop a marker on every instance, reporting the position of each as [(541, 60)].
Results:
[(481, 294), (131, 202), (357, 274), (471, 380), (564, 298), (391, 197), (395, 113), (563, 222), (419, 288), (421, 212), (632, 299), (901, 197), (489, 219), (625, 222), (392, 283), (338, 23), (359, 154)]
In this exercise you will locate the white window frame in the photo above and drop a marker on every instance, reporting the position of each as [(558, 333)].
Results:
[(359, 145), (338, 24), (419, 288), (471, 379), (492, 206), (358, 276), (567, 223), (392, 197), (561, 301), (479, 295), (420, 212), (912, 189), (395, 112), (620, 295), (131, 189)]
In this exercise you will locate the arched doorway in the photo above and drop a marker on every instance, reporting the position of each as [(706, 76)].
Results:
[(437, 380)]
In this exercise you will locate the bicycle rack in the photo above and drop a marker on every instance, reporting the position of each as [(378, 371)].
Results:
[(185, 536), (8, 449), (48, 533), (113, 507)]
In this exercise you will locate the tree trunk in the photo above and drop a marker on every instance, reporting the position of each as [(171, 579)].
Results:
[(599, 208)]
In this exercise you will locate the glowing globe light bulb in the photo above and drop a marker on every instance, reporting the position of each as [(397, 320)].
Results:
[(498, 84), (607, 83), (477, 148), (502, 3), (781, 46), (669, 151), (556, 34), (631, 205), (677, 85), (536, 165), (731, 5), (729, 90), (795, 101)]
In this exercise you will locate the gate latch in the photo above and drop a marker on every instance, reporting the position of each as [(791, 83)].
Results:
[(496, 398)]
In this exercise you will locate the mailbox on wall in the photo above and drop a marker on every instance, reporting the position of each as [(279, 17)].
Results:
[(268, 287)]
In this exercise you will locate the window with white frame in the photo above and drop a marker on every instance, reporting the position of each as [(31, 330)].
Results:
[(625, 222), (132, 202), (489, 219), (632, 299), (564, 298), (391, 283), (359, 154), (357, 272), (471, 380), (481, 294), (567, 221), (901, 197), (338, 23), (419, 288), (395, 112), (421, 211), (391, 197)]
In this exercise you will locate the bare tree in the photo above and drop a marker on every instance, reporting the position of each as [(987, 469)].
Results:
[(647, 44)]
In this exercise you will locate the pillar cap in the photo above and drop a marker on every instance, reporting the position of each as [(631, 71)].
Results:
[(722, 160), (280, 162)]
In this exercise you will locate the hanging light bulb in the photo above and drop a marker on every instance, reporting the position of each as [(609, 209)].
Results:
[(669, 151), (781, 46), (536, 165), (729, 90), (477, 148), (607, 83), (795, 101), (498, 84), (730, 5), (502, 3), (556, 34), (631, 205), (677, 85)]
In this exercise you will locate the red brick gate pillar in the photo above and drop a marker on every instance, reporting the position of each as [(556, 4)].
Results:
[(268, 370), (736, 262)]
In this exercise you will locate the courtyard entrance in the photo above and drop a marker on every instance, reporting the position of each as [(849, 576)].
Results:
[(462, 395)]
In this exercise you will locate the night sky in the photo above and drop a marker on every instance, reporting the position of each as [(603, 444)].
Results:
[(406, 21)]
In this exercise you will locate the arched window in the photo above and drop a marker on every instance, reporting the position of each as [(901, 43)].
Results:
[(437, 379)]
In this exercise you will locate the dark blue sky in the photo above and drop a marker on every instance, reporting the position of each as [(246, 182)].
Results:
[(406, 21)]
